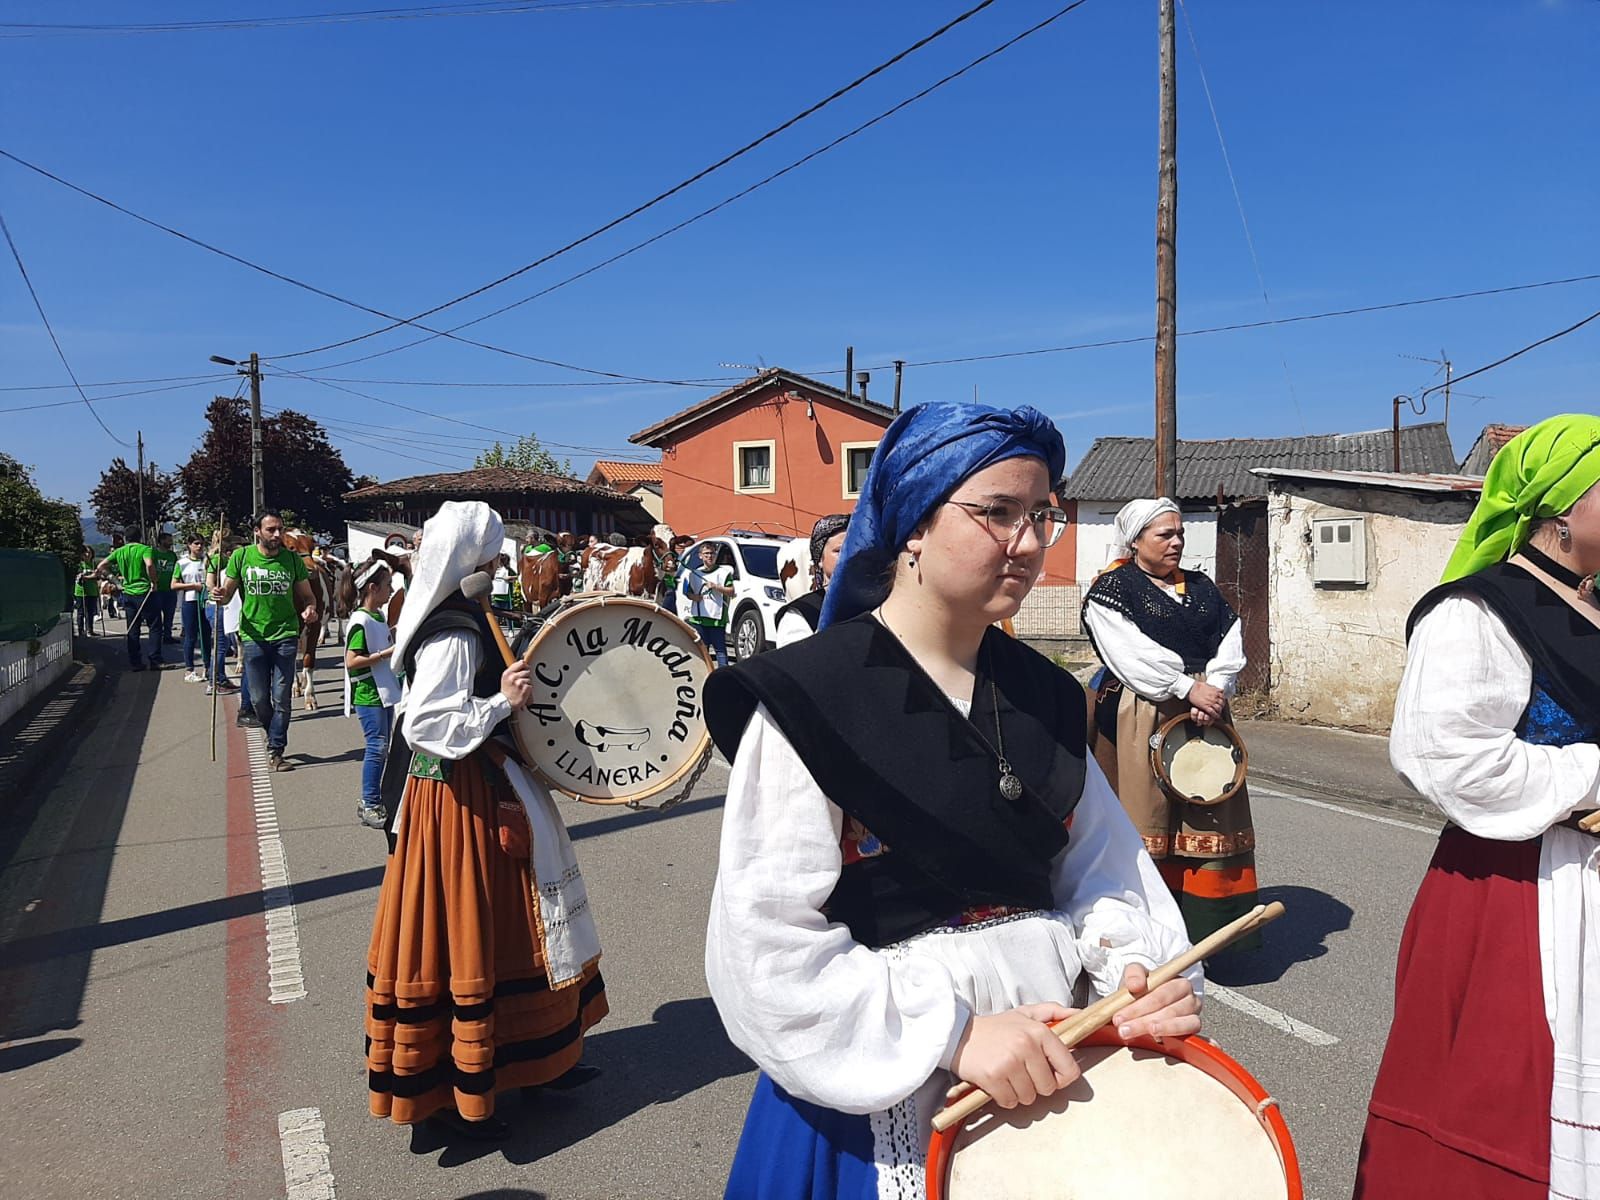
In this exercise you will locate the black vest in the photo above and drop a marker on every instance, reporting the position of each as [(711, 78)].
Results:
[(885, 745)]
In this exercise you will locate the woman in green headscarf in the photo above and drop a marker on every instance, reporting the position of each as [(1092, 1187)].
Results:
[(1490, 1084)]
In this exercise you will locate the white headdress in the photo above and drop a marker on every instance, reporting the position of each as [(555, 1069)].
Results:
[(1135, 518), (456, 541)]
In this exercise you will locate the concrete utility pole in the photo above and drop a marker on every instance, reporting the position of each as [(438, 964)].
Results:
[(1166, 480), (139, 441), (258, 492)]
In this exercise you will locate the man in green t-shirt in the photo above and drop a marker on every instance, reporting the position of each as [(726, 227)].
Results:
[(86, 593), (275, 597), (134, 562), (165, 560)]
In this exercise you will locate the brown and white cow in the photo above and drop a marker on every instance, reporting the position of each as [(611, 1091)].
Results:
[(626, 571)]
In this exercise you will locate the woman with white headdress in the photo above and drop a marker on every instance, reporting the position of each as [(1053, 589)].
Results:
[(483, 969), (1171, 644)]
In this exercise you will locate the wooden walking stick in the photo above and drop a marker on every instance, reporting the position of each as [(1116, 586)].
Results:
[(968, 1099), (215, 650)]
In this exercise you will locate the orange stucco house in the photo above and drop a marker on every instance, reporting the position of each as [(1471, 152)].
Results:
[(769, 455)]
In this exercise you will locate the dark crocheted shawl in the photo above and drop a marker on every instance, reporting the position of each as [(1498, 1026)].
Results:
[(1192, 628)]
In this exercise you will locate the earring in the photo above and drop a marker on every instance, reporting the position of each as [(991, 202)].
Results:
[(1564, 532)]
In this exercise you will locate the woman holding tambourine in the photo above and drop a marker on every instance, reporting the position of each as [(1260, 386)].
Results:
[(1171, 646)]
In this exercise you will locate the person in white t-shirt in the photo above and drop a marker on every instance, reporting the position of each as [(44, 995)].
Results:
[(703, 595)]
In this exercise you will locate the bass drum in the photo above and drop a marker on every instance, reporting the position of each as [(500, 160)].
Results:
[(1146, 1118), (616, 715)]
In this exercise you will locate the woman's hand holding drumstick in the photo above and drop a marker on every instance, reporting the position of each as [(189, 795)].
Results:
[(1121, 1005)]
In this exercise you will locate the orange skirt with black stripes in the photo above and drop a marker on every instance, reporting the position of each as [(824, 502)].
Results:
[(458, 1003)]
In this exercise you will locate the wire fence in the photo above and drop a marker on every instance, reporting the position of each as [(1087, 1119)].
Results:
[(1051, 611)]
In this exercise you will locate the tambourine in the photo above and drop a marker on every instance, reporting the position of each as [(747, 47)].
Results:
[(616, 715), (1198, 764)]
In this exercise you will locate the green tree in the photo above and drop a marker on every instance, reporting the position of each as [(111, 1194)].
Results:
[(115, 499), (31, 521), (527, 453)]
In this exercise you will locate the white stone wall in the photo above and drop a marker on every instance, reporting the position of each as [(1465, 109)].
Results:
[(23, 675), (1338, 651), (1097, 539)]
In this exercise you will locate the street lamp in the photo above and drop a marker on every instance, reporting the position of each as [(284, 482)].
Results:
[(253, 370)]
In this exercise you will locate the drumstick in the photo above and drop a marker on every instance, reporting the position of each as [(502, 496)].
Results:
[(1591, 822), (477, 586), (1072, 1030)]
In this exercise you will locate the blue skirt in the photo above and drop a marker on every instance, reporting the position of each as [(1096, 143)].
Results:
[(794, 1150)]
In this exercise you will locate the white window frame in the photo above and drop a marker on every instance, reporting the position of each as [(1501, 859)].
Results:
[(844, 466), (771, 486)]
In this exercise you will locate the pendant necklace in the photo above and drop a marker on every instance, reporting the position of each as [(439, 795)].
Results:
[(1010, 785)]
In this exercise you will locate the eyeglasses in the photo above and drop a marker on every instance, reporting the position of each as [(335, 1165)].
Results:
[(1004, 518)]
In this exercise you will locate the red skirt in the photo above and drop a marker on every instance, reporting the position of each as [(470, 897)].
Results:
[(1461, 1106)]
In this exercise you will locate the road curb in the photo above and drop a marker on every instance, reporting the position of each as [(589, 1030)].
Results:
[(1413, 806)]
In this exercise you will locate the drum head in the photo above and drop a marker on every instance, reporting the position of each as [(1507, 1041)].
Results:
[(616, 715), (1201, 764), (1178, 1119)]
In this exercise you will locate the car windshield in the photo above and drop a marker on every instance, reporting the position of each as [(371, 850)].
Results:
[(760, 560)]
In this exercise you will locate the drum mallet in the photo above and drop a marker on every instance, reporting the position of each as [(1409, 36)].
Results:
[(968, 1099), (477, 586), (1590, 823)]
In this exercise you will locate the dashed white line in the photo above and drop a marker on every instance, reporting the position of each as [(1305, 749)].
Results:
[(285, 976), (307, 1169), (1280, 1021), (1340, 808)]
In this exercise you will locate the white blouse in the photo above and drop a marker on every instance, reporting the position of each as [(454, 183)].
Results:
[(859, 1030), (441, 715), (1148, 667), (792, 628), (1466, 685)]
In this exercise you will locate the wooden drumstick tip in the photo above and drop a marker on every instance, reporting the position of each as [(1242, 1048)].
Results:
[(1590, 823)]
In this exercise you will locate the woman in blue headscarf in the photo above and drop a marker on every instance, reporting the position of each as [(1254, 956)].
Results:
[(920, 865)]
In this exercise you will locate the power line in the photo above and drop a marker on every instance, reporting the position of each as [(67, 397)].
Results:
[(56, 387), (176, 387), (350, 439), (300, 283), (701, 215), (669, 192), (1500, 362), (484, 8), (1238, 200), (54, 341)]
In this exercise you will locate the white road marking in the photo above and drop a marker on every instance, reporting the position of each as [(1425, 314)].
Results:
[(286, 981), (1339, 808), (307, 1171), (1280, 1021)]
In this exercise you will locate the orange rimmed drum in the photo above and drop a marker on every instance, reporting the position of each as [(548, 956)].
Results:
[(1147, 1118), (616, 715)]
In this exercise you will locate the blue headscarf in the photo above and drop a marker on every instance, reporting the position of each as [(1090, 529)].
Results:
[(922, 458)]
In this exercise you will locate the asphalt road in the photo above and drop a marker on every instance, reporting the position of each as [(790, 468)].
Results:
[(142, 1058)]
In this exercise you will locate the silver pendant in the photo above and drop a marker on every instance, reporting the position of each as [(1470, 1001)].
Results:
[(1010, 786)]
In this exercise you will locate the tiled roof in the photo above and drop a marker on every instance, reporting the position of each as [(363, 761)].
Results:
[(1122, 468), (661, 430), (616, 472), (1487, 446), (484, 481)]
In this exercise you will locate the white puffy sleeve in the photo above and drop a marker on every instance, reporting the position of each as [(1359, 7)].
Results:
[(442, 717), (1466, 685), (1143, 664), (1223, 669), (1105, 881), (831, 1021)]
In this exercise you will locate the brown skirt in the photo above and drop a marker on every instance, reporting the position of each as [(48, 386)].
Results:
[(1206, 852), (458, 1003)]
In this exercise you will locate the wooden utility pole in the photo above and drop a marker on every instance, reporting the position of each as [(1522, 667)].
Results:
[(258, 499), (1166, 480), (139, 441)]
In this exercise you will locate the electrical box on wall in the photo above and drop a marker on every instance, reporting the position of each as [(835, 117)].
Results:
[(1339, 550)]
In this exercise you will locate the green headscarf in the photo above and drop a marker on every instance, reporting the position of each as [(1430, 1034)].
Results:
[(1542, 472)]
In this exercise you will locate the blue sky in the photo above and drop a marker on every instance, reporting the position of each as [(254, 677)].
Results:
[(1384, 151)]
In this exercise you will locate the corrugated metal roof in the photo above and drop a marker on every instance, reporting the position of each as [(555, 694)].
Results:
[(1122, 468), (1406, 481)]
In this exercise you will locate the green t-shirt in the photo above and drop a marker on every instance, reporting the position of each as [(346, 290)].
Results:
[(86, 587), (268, 612), (363, 691), (166, 562), (128, 559)]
